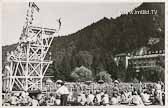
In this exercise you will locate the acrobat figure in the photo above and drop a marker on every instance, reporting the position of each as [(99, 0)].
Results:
[(59, 21)]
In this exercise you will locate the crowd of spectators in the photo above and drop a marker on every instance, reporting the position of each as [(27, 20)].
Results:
[(142, 96)]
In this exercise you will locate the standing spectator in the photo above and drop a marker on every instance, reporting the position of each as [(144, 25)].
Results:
[(63, 92), (163, 98)]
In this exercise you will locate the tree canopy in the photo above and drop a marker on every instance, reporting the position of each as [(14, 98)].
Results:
[(103, 75), (82, 74)]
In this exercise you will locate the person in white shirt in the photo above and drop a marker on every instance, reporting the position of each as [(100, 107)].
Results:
[(63, 92), (145, 98), (42, 101), (34, 101), (13, 100), (82, 98), (51, 100), (98, 97), (136, 99), (23, 94), (101, 93), (57, 100), (105, 99), (123, 98), (158, 92), (90, 99), (114, 99), (116, 87), (70, 96)]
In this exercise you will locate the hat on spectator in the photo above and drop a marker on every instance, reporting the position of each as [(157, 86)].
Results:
[(59, 81), (116, 81)]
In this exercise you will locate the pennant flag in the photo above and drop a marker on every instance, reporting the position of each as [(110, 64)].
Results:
[(36, 7), (32, 4)]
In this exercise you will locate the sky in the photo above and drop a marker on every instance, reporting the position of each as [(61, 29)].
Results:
[(74, 16)]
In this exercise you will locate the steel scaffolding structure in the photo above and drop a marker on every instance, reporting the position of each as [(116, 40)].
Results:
[(26, 65)]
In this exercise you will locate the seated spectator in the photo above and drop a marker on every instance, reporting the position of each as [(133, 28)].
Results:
[(157, 98), (21, 100), (28, 100), (70, 97), (34, 101), (13, 100), (98, 97), (123, 98), (102, 93), (114, 99), (82, 99), (75, 96), (145, 98), (7, 97), (90, 99), (158, 93), (57, 101), (136, 99), (105, 99), (5, 102), (51, 101), (42, 101)]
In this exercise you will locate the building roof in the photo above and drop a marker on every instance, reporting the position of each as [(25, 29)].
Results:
[(121, 54)]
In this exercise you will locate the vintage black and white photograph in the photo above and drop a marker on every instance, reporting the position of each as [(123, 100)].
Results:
[(83, 53)]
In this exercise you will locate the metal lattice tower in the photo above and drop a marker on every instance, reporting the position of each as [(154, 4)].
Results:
[(26, 65)]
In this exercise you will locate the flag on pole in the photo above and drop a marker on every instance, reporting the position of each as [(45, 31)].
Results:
[(36, 7), (32, 4)]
